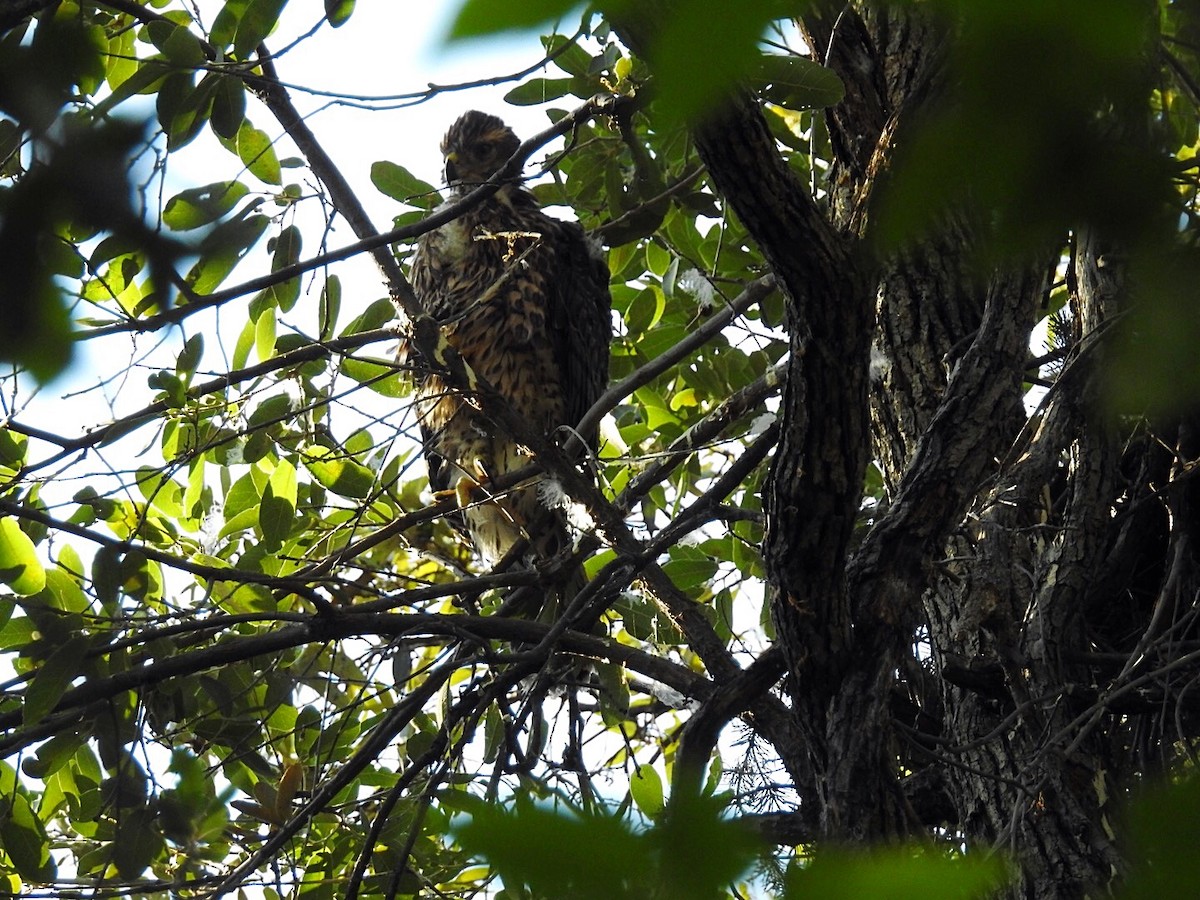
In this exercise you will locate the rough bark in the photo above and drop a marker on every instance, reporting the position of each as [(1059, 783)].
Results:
[(991, 654)]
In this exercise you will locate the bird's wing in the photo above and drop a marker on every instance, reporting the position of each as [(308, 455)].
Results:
[(581, 324)]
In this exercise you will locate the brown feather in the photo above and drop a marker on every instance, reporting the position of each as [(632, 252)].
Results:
[(525, 302)]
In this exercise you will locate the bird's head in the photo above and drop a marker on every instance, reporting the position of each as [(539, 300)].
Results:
[(476, 146)]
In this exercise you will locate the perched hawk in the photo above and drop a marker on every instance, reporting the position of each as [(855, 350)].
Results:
[(524, 300)]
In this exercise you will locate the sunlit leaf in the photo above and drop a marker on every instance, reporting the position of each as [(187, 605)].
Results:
[(646, 787), (20, 568), (337, 472), (338, 11), (277, 514), (253, 147)]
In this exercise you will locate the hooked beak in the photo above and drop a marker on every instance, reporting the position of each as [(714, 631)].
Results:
[(451, 168)]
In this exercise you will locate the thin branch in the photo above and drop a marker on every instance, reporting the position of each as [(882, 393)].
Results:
[(401, 291), (751, 294), (339, 625), (124, 425)]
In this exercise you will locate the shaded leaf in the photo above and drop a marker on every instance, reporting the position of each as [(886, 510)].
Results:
[(277, 514), (480, 17), (397, 182), (797, 82), (287, 253), (203, 205), (539, 90), (221, 250), (138, 842), (24, 837), (53, 678), (896, 874), (229, 106), (255, 23)]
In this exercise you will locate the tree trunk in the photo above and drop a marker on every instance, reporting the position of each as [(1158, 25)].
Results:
[(963, 659)]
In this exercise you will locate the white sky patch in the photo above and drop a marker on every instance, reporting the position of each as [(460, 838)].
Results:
[(761, 423)]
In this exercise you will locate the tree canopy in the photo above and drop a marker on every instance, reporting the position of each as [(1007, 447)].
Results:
[(891, 538)]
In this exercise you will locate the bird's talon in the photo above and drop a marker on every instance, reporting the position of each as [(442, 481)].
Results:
[(464, 491)]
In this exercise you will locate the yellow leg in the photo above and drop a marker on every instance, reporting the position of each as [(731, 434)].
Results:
[(465, 489)]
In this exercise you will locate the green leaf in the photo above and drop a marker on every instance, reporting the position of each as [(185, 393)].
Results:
[(896, 874), (287, 253), (53, 679), (277, 514), (254, 149), (146, 79), (339, 473), (20, 568), (229, 106), (330, 306), (203, 205), (121, 62), (183, 109), (177, 43), (1164, 826), (397, 182), (190, 356), (226, 22), (264, 334), (164, 493), (557, 854), (338, 11), (137, 843), (645, 310), (106, 581), (573, 59), (258, 20), (698, 58), (62, 592), (646, 787), (480, 17), (539, 90), (12, 447), (222, 249), (24, 837), (381, 378), (378, 314), (797, 82)]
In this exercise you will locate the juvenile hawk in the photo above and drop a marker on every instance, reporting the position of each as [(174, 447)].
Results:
[(524, 300)]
